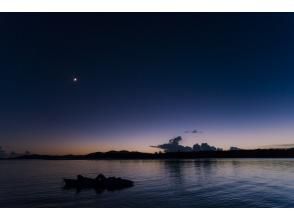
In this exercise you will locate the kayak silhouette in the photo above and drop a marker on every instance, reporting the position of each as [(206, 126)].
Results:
[(100, 183)]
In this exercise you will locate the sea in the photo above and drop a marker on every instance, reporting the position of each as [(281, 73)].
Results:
[(224, 183)]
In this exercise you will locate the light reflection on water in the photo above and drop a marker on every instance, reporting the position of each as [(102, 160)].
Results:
[(158, 183)]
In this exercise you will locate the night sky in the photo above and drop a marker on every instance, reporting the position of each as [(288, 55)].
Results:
[(144, 78)]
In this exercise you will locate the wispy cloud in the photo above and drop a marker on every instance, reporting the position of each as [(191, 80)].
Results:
[(194, 131), (277, 146)]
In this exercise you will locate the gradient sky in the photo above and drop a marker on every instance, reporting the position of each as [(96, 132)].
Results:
[(143, 79)]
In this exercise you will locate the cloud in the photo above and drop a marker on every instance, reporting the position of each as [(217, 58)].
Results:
[(234, 148), (278, 146), (174, 146), (3, 153), (176, 140), (194, 131), (205, 147)]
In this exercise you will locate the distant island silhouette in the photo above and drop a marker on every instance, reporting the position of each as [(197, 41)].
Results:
[(256, 153), (170, 150)]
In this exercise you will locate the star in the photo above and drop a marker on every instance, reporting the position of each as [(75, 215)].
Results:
[(75, 79)]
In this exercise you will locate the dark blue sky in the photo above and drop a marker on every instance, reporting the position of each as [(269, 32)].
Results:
[(144, 78)]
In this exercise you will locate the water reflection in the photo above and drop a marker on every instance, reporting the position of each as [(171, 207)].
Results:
[(158, 183), (174, 169)]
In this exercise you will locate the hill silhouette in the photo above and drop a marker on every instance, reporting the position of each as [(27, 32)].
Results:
[(256, 153)]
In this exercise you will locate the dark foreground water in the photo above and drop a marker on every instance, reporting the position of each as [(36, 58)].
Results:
[(158, 183)]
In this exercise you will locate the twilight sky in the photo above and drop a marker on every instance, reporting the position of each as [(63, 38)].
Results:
[(144, 78)]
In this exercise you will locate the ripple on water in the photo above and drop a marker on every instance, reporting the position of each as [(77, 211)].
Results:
[(158, 183)]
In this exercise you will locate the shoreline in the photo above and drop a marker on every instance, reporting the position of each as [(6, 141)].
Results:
[(125, 155)]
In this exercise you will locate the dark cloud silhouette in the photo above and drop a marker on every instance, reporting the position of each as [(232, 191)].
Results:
[(205, 147), (3, 153), (234, 148), (27, 152), (176, 140), (174, 146), (16, 154)]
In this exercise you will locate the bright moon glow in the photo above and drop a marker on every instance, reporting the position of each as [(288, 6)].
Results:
[(75, 79)]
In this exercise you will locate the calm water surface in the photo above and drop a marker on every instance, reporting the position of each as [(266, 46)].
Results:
[(158, 183)]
